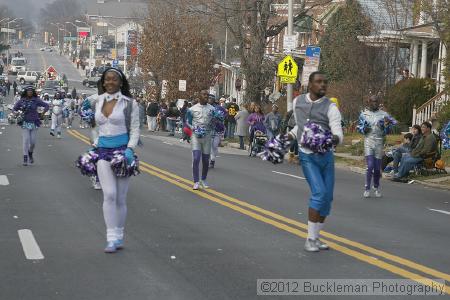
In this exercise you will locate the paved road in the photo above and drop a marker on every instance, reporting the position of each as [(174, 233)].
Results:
[(182, 244)]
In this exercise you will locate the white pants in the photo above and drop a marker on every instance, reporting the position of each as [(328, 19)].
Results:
[(215, 146), (57, 122), (115, 191), (151, 123), (28, 140)]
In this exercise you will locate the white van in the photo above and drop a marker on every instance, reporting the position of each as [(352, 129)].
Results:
[(18, 64)]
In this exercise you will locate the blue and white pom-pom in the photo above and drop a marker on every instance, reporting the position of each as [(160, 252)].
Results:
[(387, 123), (315, 138), (120, 166), (362, 124), (87, 163), (218, 114), (445, 136), (87, 115), (275, 149), (199, 131)]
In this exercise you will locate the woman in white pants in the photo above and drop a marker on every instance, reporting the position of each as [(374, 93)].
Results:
[(117, 123), (28, 106), (57, 115)]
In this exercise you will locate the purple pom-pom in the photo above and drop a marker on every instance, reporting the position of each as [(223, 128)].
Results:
[(275, 149), (87, 163), (120, 166), (316, 139)]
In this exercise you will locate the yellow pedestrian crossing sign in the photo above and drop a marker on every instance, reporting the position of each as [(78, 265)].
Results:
[(288, 67)]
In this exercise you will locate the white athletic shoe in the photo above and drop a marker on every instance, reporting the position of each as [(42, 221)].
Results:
[(196, 186), (377, 193), (204, 184), (97, 186), (58, 136), (366, 194)]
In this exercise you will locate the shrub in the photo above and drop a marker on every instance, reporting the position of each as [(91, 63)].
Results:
[(402, 97)]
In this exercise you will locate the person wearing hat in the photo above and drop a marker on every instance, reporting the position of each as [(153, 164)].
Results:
[(57, 115), (46, 120), (28, 105), (272, 122)]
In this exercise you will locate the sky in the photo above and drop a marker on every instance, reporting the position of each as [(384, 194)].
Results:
[(27, 9)]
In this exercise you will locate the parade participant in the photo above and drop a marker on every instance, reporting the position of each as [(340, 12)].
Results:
[(117, 122), (373, 123), (30, 122), (318, 167), (199, 118), (68, 110), (57, 115), (84, 106), (46, 120), (92, 104), (219, 116)]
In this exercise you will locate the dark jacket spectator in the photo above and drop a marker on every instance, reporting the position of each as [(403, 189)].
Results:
[(152, 109)]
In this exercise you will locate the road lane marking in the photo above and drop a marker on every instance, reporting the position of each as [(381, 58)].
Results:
[(178, 181), (440, 211), (4, 180), (167, 143), (290, 175), (29, 244)]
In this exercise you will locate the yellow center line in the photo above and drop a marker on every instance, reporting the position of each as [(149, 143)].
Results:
[(178, 181)]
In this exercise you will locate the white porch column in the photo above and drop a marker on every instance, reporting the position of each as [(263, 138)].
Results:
[(411, 51), (443, 57), (415, 59), (423, 63)]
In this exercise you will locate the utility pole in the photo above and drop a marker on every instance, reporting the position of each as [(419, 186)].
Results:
[(290, 86)]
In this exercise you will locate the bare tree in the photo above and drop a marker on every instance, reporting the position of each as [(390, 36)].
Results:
[(175, 47), (252, 23)]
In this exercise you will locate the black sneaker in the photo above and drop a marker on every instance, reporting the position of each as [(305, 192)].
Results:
[(25, 160), (30, 157), (52, 133)]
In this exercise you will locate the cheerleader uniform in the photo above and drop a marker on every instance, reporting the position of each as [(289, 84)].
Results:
[(30, 125), (57, 116), (373, 149), (113, 135), (200, 116)]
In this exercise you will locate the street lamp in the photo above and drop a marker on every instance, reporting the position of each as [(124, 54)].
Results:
[(12, 21)]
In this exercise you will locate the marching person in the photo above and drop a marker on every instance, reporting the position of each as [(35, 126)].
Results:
[(117, 122), (46, 121), (57, 115), (28, 105), (318, 168), (217, 131), (374, 136), (199, 120)]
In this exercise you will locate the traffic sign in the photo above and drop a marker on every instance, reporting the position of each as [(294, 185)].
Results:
[(290, 42), (288, 79), (182, 85), (288, 67), (312, 51), (115, 63)]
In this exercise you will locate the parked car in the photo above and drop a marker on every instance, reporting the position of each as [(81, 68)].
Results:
[(91, 81), (28, 76), (50, 87), (18, 64), (48, 49)]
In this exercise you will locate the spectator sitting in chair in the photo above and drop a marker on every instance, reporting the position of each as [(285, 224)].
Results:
[(410, 142), (426, 148)]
